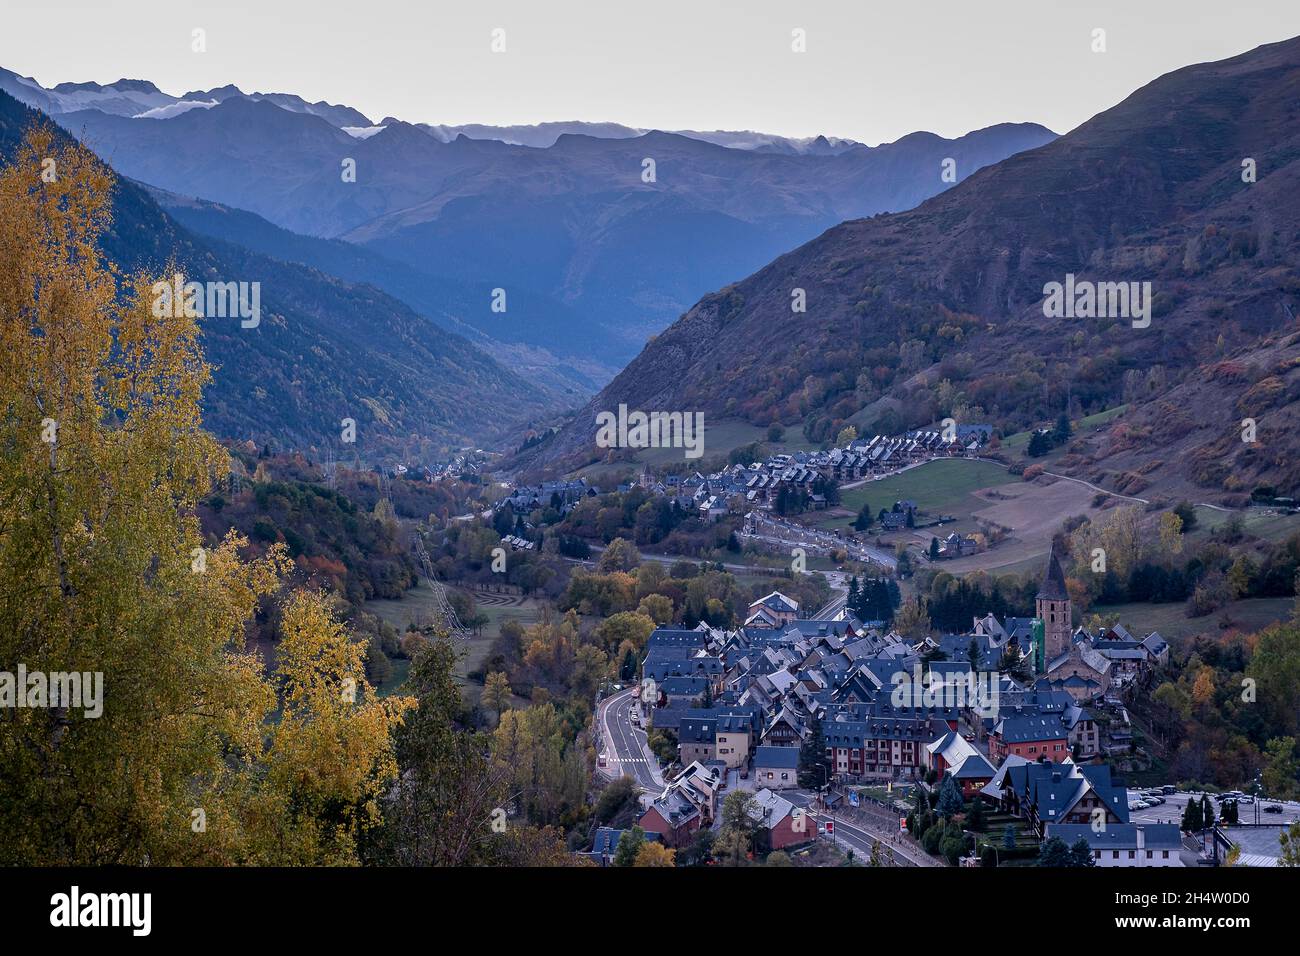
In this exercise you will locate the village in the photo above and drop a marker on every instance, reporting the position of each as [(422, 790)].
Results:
[(1015, 728), (766, 494)]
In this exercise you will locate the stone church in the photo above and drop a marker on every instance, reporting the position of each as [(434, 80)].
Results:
[(1075, 668)]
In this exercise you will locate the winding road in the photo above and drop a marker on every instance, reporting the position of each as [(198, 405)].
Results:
[(623, 745)]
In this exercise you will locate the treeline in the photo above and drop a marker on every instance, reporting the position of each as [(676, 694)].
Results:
[(647, 520), (687, 593), (1129, 557), (875, 599), (1228, 708), (953, 603), (463, 551), (200, 755)]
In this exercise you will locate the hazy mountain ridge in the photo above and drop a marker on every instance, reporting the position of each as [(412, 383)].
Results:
[(324, 349), (1150, 190), (596, 259)]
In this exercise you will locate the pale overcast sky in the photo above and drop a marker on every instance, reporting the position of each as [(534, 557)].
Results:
[(873, 71)]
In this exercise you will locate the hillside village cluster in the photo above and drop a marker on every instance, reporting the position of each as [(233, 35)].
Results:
[(799, 476), (744, 702)]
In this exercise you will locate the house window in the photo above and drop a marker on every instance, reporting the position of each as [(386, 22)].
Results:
[(1114, 854), (1150, 854), (784, 776), (1164, 854), (1132, 854), (1096, 854)]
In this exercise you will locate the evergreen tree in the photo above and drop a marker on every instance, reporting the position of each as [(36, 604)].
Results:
[(1061, 434), (1081, 854), (1039, 444), (934, 549), (864, 519), (950, 798), (814, 766), (1054, 852), (629, 845)]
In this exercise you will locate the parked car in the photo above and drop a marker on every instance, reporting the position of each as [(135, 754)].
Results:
[(1168, 789), (1272, 808), (1153, 801)]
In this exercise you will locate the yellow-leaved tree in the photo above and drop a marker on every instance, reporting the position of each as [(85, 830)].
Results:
[(104, 571)]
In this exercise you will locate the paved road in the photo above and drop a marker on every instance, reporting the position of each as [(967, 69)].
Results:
[(857, 830), (624, 745)]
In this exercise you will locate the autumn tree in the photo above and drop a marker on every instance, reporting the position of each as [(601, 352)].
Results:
[(654, 854), (197, 756), (496, 692)]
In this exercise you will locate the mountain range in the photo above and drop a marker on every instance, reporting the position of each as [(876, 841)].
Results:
[(324, 349), (592, 257), (1192, 184)]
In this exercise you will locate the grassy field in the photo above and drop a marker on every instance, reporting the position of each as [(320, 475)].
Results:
[(1267, 523), (417, 607), (944, 486), (1172, 622)]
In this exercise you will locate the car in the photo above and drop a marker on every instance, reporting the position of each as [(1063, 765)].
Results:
[(1167, 789), (1138, 804), (1246, 799), (1153, 801), (1272, 808)]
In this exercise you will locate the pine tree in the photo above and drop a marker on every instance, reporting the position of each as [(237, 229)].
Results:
[(950, 798), (1054, 852), (1081, 854), (814, 765)]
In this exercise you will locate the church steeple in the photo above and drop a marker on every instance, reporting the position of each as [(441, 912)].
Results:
[(1053, 608), (1053, 586)]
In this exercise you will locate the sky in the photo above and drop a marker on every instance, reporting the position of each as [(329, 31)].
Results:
[(872, 70)]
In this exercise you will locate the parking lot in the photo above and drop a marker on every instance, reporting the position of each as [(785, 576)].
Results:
[(1171, 811)]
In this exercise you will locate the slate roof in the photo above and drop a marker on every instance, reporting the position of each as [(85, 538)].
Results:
[(676, 637), (696, 730), (1121, 836), (778, 758), (1024, 729)]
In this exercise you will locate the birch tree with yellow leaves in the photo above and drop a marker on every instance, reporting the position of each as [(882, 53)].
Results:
[(104, 571)]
